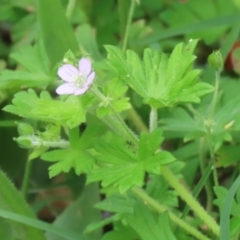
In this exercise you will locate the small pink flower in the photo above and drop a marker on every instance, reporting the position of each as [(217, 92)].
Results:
[(78, 80)]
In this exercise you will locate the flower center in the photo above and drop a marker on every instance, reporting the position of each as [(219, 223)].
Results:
[(80, 80)]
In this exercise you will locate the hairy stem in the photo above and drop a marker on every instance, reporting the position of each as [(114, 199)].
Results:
[(132, 137), (190, 200), (153, 121), (160, 208), (210, 123), (26, 178), (169, 176), (203, 168)]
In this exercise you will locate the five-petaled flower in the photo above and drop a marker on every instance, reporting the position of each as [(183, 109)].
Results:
[(78, 80)]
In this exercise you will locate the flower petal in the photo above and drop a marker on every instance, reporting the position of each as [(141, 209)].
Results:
[(80, 91), (68, 72), (90, 79), (66, 88), (85, 66)]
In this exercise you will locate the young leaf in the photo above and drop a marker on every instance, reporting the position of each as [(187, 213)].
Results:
[(114, 91), (159, 79)]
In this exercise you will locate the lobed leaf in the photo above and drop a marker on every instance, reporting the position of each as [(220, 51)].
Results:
[(70, 112), (159, 79), (124, 168)]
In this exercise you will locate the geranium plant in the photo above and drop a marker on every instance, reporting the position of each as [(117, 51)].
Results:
[(142, 130)]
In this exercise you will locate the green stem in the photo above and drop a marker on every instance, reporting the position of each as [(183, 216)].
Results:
[(160, 208), (26, 178), (203, 168), (181, 190), (130, 16), (37, 142), (212, 157), (104, 99), (153, 121), (190, 200), (136, 120), (194, 112), (173, 181), (70, 7), (215, 96), (210, 123)]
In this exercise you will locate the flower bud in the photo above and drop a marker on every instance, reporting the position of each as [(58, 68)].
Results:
[(25, 129), (215, 61)]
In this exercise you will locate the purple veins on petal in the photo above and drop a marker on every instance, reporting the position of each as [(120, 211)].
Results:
[(85, 67), (68, 72)]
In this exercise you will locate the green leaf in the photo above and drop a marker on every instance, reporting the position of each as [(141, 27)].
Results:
[(17, 79), (113, 91), (221, 194), (57, 32), (230, 39), (37, 152), (123, 11), (234, 226), (33, 58), (226, 119), (116, 204), (159, 189), (161, 80), (228, 155), (66, 159), (122, 167), (76, 157), (180, 124), (71, 112), (144, 223), (86, 37), (226, 208), (65, 233), (12, 201), (190, 13), (160, 34), (35, 62), (149, 143), (121, 231)]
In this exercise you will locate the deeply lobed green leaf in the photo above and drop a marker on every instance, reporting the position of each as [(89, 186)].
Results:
[(70, 112), (159, 79)]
